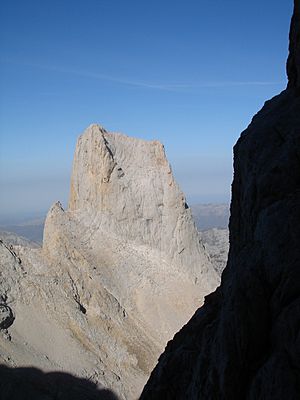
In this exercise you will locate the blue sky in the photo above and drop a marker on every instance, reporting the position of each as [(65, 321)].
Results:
[(189, 73)]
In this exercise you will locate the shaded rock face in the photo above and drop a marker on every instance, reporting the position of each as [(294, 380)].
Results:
[(244, 343), (293, 63)]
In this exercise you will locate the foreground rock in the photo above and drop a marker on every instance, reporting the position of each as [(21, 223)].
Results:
[(119, 272), (244, 342)]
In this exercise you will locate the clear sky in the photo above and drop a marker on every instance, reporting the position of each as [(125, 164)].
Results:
[(190, 73)]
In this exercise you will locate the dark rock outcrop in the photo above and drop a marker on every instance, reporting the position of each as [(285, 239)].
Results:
[(293, 63), (244, 343)]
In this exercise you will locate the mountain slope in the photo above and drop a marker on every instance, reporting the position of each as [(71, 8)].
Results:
[(119, 272)]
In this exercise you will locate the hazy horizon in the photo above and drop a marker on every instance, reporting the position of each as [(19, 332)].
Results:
[(188, 74)]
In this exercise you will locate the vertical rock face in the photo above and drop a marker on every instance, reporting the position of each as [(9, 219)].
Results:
[(129, 243), (128, 186), (244, 343)]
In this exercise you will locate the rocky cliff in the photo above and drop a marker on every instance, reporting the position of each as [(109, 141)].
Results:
[(119, 272), (244, 343), (127, 185)]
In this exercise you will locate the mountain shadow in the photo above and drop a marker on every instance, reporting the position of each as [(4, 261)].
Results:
[(34, 384)]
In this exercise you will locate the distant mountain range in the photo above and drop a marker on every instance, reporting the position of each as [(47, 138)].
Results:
[(31, 229), (211, 220), (208, 216), (11, 238)]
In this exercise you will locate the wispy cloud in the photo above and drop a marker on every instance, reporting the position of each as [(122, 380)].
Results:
[(237, 83), (146, 84)]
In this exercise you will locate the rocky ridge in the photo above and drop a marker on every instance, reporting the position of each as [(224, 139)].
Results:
[(244, 342), (119, 272)]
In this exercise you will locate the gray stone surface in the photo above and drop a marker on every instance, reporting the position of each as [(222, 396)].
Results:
[(119, 272), (244, 342), (127, 185)]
